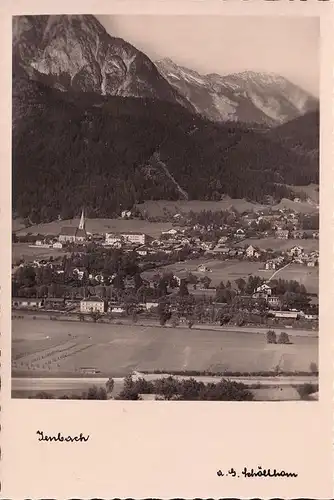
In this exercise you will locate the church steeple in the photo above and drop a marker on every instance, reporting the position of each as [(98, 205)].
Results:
[(82, 221)]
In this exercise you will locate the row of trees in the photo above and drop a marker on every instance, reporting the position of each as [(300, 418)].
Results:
[(170, 388)]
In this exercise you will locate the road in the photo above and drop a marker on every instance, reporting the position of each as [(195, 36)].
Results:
[(279, 270), (72, 384)]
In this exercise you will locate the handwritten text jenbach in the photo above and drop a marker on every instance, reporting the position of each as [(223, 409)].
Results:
[(60, 438)]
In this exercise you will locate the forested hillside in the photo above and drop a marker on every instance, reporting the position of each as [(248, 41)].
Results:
[(72, 149)]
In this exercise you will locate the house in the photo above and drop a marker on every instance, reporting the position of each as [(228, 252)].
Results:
[(78, 273), (285, 314), (24, 303), (282, 234), (240, 233), (54, 303), (71, 234), (274, 302), (170, 232), (265, 289), (181, 276), (250, 251), (295, 251), (57, 245), (315, 235), (223, 239), (221, 249), (142, 250), (270, 265), (151, 305), (203, 269), (116, 309), (114, 239), (92, 304), (126, 214)]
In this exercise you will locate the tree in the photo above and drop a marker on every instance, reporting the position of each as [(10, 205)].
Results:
[(314, 368), (95, 392), (241, 284), (284, 338), (110, 384), (183, 291), (129, 390), (305, 390), (95, 315), (271, 337), (206, 281)]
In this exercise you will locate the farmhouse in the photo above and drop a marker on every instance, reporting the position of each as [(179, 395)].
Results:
[(265, 289), (240, 233), (274, 302), (295, 251), (203, 268), (22, 303), (282, 234), (92, 304), (285, 314), (74, 234), (250, 251), (170, 232)]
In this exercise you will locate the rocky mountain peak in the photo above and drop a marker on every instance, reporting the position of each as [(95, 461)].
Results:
[(76, 53)]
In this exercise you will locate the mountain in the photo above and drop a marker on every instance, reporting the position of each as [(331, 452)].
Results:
[(75, 53), (111, 152), (261, 98)]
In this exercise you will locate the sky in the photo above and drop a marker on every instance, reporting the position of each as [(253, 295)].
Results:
[(288, 46)]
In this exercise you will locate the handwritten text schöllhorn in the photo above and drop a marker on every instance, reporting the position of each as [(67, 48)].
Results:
[(260, 472)]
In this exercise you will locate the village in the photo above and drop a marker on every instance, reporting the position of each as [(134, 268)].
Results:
[(185, 260)]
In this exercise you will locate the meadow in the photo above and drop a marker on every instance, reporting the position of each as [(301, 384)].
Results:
[(224, 270), (100, 226), (281, 244), (49, 348), (159, 208), (28, 253)]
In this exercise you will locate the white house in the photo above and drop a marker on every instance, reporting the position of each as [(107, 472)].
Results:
[(295, 251), (240, 233), (250, 251), (92, 304), (126, 214), (130, 237), (266, 289), (171, 232)]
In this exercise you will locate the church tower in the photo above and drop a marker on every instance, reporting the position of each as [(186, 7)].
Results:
[(82, 221)]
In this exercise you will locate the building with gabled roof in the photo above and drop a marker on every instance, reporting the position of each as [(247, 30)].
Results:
[(70, 234)]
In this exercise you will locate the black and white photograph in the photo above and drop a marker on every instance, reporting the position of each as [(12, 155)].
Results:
[(165, 208)]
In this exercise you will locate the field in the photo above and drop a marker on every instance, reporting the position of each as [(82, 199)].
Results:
[(23, 250), (160, 207), (280, 244), (307, 276), (234, 269), (220, 270), (45, 347), (100, 226)]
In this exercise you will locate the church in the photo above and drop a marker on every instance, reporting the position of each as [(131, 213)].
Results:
[(70, 234)]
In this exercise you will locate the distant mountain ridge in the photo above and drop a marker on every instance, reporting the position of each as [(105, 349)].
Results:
[(252, 97)]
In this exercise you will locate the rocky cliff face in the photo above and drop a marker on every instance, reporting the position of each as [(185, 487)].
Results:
[(76, 53), (249, 96)]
